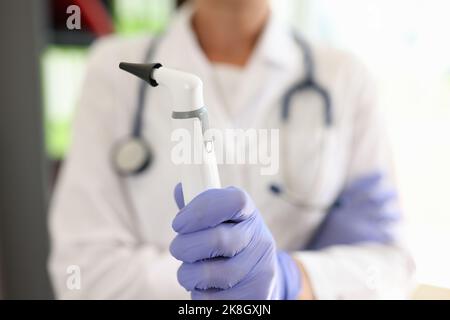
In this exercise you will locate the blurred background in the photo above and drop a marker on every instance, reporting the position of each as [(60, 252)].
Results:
[(404, 42)]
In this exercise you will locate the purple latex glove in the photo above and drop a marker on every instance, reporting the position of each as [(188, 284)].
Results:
[(365, 211), (227, 250)]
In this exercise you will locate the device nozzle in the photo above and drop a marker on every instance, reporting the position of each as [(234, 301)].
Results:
[(142, 70)]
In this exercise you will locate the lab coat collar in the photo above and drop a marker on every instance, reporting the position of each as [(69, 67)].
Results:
[(276, 46)]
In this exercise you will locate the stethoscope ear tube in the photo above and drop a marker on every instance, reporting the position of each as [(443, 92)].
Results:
[(308, 83)]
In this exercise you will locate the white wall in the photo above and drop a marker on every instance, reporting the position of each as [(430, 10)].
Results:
[(406, 43)]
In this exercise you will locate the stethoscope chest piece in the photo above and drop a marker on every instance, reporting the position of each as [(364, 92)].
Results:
[(131, 156)]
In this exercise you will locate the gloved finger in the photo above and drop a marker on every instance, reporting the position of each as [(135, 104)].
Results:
[(211, 294), (213, 207), (253, 288), (223, 273), (178, 195), (224, 240)]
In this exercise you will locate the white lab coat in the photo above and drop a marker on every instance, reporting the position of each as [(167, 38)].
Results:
[(118, 230)]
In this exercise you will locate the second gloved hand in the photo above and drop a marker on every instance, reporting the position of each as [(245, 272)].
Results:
[(227, 250)]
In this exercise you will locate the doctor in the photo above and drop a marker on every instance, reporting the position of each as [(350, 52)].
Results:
[(326, 226)]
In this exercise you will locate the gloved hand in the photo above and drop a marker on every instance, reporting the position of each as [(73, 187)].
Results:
[(366, 211), (227, 250)]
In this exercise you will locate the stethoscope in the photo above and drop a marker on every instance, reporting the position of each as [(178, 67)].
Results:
[(133, 155)]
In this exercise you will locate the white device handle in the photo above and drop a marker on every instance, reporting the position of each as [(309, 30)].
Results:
[(199, 172), (186, 89)]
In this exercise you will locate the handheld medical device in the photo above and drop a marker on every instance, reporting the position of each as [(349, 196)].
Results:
[(189, 115), (137, 154)]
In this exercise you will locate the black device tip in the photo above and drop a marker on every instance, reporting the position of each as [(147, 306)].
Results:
[(142, 70)]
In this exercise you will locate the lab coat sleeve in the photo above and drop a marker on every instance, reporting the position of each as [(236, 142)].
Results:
[(95, 250), (374, 265)]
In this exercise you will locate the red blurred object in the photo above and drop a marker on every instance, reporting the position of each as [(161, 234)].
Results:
[(94, 15)]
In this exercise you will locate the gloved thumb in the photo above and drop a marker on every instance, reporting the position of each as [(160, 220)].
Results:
[(178, 195)]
